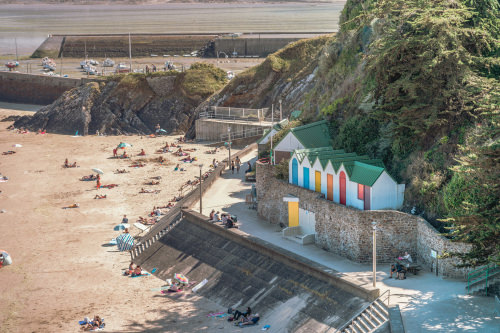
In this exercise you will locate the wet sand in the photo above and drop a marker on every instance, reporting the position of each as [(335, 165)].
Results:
[(62, 268)]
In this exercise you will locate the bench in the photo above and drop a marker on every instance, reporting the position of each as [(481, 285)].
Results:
[(410, 267), (250, 178)]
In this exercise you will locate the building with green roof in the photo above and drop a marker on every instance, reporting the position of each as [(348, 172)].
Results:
[(313, 135), (346, 178)]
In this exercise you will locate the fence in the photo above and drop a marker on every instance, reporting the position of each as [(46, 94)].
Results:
[(239, 112), (174, 216), (243, 134)]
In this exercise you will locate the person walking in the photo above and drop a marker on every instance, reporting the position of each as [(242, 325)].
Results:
[(232, 167), (98, 181), (238, 164)]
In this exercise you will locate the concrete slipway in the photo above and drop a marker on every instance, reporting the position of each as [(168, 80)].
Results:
[(428, 303)]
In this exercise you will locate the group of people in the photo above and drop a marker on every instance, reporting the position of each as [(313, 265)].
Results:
[(398, 269), (227, 220), (69, 165), (244, 318), (131, 271), (91, 325), (236, 164)]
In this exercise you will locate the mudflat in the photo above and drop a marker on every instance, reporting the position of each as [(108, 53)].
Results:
[(62, 268), (31, 24)]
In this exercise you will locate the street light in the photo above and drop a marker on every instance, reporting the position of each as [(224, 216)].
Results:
[(374, 226), (201, 166), (281, 113), (229, 146)]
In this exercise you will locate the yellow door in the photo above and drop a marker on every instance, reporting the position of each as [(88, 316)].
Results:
[(293, 214), (317, 186)]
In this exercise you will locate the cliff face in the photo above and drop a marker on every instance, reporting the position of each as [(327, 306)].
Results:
[(130, 104)]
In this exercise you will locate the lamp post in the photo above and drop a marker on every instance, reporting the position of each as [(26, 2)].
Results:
[(374, 226), (201, 166), (281, 113), (229, 146)]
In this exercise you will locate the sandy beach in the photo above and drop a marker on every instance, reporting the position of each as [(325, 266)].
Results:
[(62, 268)]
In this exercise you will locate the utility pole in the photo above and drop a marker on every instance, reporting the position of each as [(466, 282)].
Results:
[(201, 166), (17, 57), (281, 113), (62, 57), (272, 124), (229, 145), (130, 52), (374, 226)]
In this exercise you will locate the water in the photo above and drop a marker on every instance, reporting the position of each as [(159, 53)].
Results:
[(31, 24)]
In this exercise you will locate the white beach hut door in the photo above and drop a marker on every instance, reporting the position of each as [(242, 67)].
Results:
[(307, 221)]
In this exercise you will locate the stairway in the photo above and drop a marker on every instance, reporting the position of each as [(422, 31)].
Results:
[(370, 319), (484, 280)]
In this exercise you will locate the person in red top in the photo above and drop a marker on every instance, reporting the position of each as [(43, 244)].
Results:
[(115, 152), (98, 181)]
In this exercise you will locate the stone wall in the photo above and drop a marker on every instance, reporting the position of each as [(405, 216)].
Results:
[(348, 231), (33, 89)]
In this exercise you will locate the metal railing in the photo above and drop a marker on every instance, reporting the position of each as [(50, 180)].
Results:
[(482, 274), (243, 134), (239, 112), (211, 115), (369, 309)]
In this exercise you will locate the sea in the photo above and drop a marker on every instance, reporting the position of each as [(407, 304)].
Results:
[(27, 26)]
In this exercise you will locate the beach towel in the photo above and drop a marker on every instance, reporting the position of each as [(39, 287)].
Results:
[(143, 274), (199, 285)]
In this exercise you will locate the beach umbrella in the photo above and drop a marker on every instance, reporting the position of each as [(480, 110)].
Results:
[(99, 171), (181, 278), (124, 242), (17, 145), (161, 130), (7, 260), (123, 145), (121, 226)]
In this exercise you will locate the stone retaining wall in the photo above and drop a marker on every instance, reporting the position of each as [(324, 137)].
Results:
[(348, 231)]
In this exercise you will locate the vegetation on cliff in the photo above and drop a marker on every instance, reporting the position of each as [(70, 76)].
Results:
[(416, 83)]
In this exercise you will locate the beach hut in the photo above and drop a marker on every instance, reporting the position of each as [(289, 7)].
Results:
[(271, 132), (314, 135), (346, 178)]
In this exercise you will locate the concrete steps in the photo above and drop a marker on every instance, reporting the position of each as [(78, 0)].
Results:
[(372, 318)]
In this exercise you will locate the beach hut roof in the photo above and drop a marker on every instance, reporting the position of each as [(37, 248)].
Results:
[(360, 169), (314, 135), (278, 127)]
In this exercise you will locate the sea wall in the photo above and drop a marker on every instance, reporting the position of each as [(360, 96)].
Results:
[(34, 89), (291, 293), (251, 46), (348, 232)]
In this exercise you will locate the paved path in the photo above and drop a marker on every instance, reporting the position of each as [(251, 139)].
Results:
[(428, 303)]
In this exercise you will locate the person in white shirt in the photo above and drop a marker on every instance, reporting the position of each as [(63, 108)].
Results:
[(407, 257)]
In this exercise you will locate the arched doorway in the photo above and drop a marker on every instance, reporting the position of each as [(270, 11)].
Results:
[(295, 172), (342, 187)]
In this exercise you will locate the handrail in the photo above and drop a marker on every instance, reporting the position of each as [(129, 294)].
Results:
[(481, 273), (497, 306), (388, 292)]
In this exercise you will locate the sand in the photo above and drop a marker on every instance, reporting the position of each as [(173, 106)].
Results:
[(62, 269)]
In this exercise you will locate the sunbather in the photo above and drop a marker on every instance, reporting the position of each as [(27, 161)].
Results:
[(99, 196), (149, 191), (9, 152), (250, 320), (124, 155), (130, 269), (142, 153), (137, 165), (121, 171), (75, 205), (88, 178), (137, 271)]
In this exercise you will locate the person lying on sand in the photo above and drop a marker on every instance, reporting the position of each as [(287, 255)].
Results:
[(153, 182), (93, 325), (109, 186), (9, 152), (75, 205), (149, 191), (98, 196), (179, 198), (213, 151), (88, 178), (121, 171), (137, 165), (69, 165)]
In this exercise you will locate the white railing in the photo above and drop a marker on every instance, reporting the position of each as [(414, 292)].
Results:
[(239, 112), (243, 134), (369, 314)]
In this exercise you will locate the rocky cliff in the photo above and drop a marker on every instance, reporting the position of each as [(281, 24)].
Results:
[(130, 104)]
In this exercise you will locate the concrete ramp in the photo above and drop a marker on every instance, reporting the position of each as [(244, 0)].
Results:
[(291, 293)]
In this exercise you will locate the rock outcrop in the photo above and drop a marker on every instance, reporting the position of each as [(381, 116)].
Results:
[(130, 104)]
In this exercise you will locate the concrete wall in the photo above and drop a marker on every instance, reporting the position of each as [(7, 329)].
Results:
[(212, 129), (33, 89), (348, 231), (289, 291), (252, 46)]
